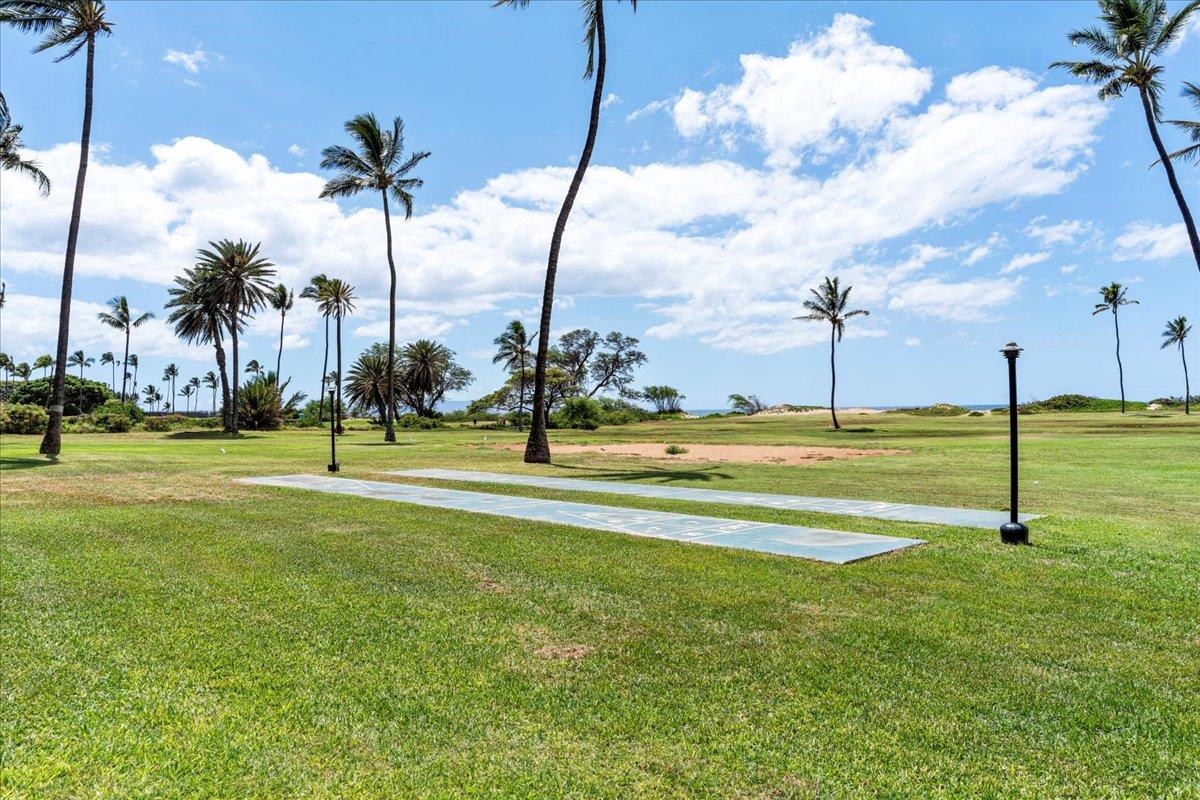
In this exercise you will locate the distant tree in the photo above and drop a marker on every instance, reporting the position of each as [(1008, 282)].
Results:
[(1113, 297), (254, 368), (186, 393), (367, 381), (746, 404), (597, 364), (1191, 127), (79, 359), (1131, 35), (170, 373), (512, 350), (200, 316), (427, 371), (314, 292), (828, 304), (1174, 334), (120, 318), (379, 165), (666, 399), (212, 381), (152, 396), (110, 360), (194, 382), (10, 151), (281, 299), (72, 25), (6, 365), (337, 301), (133, 362), (23, 371), (537, 449), (44, 363)]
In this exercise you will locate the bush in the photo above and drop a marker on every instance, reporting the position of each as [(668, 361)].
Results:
[(581, 413), (666, 399), (165, 423), (615, 411), (935, 410), (976, 414), (37, 392), (115, 417), (676, 450), (1075, 403), (411, 421), (25, 419)]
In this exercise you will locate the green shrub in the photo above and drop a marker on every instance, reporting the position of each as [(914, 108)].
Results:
[(37, 392), (976, 414), (164, 423), (411, 421), (935, 410), (25, 419), (1077, 403), (115, 417), (615, 411), (581, 413), (676, 450)]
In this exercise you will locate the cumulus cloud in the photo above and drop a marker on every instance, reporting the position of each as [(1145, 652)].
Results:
[(1145, 241), (297, 150), (191, 62), (1023, 260), (1066, 232), (968, 301)]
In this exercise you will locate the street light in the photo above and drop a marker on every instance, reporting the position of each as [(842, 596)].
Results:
[(1013, 531), (333, 462)]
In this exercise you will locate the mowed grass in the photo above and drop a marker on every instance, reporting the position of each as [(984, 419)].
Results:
[(166, 632)]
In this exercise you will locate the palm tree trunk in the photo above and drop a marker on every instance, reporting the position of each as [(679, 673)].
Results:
[(1165, 160), (52, 441), (389, 434), (537, 449), (1187, 390), (279, 358), (337, 410), (324, 373), (233, 341), (125, 370), (1120, 369), (833, 378), (114, 376)]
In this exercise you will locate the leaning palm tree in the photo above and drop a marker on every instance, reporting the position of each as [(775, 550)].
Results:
[(313, 292), (6, 365), (1113, 297), (829, 305), (199, 316), (281, 299), (79, 359), (120, 318), (194, 382), (240, 281), (109, 359), (1191, 127), (211, 381), (378, 164), (1132, 34), (337, 302), (254, 368), (23, 371), (1176, 331), (10, 151), (537, 449), (72, 25), (514, 353), (170, 373), (44, 363)]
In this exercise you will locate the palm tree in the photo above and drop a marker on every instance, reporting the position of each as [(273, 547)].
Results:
[(427, 371), (241, 280), (153, 397), (1113, 297), (377, 165), (169, 375), (111, 360), (337, 302), (829, 305), (1191, 127), (44, 363), (78, 359), (513, 351), (1176, 331), (199, 316), (120, 318), (537, 449), (367, 382), (194, 382), (211, 381), (281, 299), (132, 362), (23, 371), (186, 394), (10, 151), (72, 25), (1132, 34), (313, 292), (254, 368), (6, 365)]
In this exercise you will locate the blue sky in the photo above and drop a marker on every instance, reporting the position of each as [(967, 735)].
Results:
[(921, 151)]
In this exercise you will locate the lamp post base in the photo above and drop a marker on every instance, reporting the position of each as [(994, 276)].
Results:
[(1014, 533), (334, 467)]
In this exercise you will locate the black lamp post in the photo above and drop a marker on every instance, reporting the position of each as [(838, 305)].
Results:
[(1013, 531), (333, 462)]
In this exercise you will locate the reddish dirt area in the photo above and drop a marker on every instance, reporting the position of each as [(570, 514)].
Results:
[(730, 453)]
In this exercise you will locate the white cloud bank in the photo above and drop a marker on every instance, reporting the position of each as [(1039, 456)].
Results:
[(723, 252), (1145, 241)]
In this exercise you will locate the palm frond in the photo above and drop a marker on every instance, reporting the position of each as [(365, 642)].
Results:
[(1096, 40), (344, 185), (1173, 27)]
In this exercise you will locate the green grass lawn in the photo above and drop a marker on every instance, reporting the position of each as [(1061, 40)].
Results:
[(166, 632)]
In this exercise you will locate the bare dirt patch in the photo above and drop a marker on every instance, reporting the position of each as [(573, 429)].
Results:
[(570, 652), (728, 453)]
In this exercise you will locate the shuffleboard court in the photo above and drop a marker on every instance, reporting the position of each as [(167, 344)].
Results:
[(899, 512), (837, 547)]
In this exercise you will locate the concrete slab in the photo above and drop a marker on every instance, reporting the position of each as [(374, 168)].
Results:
[(836, 547)]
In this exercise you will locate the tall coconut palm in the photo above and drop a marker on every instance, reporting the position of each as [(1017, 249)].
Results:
[(79, 359), (281, 299), (23, 371), (1132, 34), (313, 292), (427, 370), (1173, 335), (337, 302), (241, 279), (194, 382), (72, 25), (199, 316), (537, 449), (514, 353), (1113, 297), (132, 362), (186, 393), (211, 381), (44, 363), (378, 164), (1191, 127), (6, 365), (11, 147), (152, 395), (170, 373), (828, 304), (120, 318), (109, 359), (367, 381)]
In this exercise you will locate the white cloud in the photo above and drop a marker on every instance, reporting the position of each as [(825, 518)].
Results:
[(1068, 269), (191, 62), (408, 327), (650, 108), (968, 301), (1145, 241), (1023, 260), (610, 99), (980, 252), (912, 341), (297, 150), (1066, 232)]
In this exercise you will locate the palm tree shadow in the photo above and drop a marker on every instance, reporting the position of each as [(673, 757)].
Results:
[(654, 474), (26, 463), (212, 436), (376, 444), (856, 430)]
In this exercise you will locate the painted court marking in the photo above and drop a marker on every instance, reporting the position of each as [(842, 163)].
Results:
[(900, 512), (837, 547)]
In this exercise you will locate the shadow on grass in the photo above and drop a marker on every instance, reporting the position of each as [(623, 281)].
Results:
[(855, 430), (375, 444), (25, 463), (657, 474), (212, 436)]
